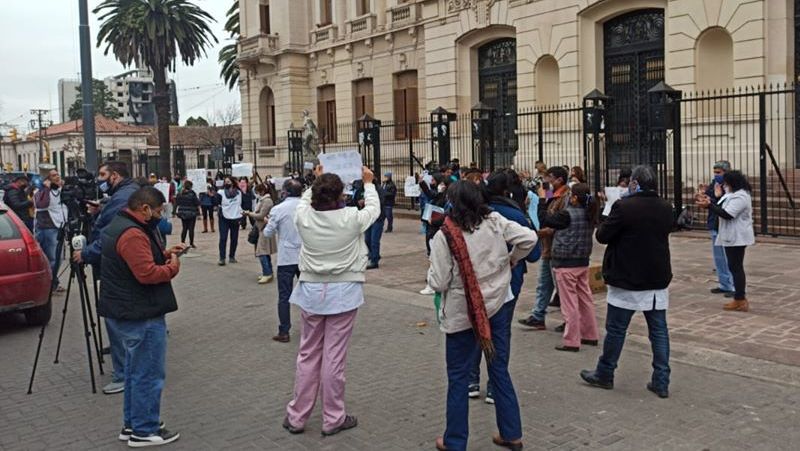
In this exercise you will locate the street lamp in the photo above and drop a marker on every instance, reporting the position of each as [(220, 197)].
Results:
[(483, 135), (440, 134), (369, 138), (594, 123)]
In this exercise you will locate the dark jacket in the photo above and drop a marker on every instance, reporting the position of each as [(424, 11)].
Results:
[(510, 210), (247, 200), (572, 240), (119, 200), (637, 233), (42, 198), (122, 295), (206, 199), (17, 200), (390, 193), (187, 203), (713, 219)]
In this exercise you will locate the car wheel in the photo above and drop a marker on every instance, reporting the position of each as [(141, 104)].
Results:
[(38, 316)]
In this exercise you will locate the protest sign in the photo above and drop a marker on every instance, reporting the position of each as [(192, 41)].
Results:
[(411, 187), (347, 165), (198, 179), (278, 182), (613, 194), (164, 188), (242, 170)]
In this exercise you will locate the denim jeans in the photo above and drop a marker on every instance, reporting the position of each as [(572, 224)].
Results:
[(373, 238), (117, 354), (145, 344), (228, 226), (544, 291), (617, 321), (475, 374), (266, 265), (388, 211), (461, 352), (48, 240), (286, 275), (721, 264)]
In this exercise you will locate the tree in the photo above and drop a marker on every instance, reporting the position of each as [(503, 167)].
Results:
[(155, 33), (199, 122), (228, 54), (103, 99)]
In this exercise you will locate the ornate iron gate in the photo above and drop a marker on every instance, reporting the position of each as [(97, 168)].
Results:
[(634, 63), (497, 65)]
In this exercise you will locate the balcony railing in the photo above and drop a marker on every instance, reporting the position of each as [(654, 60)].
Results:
[(324, 33), (258, 49), (364, 24), (403, 14)]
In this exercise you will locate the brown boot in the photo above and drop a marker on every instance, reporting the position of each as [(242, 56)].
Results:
[(205, 225), (737, 306)]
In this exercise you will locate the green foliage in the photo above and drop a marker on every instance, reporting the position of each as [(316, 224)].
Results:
[(102, 98), (229, 70), (196, 122)]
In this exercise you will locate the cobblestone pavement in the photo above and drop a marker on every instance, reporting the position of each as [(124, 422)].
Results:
[(735, 376)]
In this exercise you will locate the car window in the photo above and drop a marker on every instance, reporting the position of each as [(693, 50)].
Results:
[(8, 230)]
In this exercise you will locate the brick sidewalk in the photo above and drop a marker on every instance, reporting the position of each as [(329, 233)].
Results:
[(227, 383)]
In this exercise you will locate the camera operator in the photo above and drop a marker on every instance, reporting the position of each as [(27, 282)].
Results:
[(16, 197), (51, 214), (113, 179), (135, 295)]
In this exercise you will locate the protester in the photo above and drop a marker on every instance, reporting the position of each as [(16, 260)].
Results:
[(332, 266), (230, 215), (113, 179), (557, 179), (51, 214), (265, 247), (541, 172), (281, 221), (208, 200), (724, 276), (735, 212), (135, 295), (187, 205), (476, 316), (516, 188), (622, 183), (498, 193), (16, 197), (569, 258), (389, 198), (576, 175), (247, 201), (435, 194), (374, 234), (174, 189), (637, 272)]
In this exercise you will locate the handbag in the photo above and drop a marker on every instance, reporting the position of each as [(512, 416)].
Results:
[(252, 237)]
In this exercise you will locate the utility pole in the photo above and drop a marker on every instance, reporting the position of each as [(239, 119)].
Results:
[(41, 125), (89, 140)]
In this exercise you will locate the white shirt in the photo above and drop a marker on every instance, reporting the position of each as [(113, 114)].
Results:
[(231, 208), (328, 298), (640, 301), (57, 210), (281, 221)]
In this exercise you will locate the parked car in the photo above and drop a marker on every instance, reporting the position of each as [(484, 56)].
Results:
[(24, 271)]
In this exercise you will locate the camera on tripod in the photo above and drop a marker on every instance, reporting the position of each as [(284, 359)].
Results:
[(79, 190)]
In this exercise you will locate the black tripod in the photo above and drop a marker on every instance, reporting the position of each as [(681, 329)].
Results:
[(77, 274)]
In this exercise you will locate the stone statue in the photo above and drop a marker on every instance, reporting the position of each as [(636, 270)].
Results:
[(310, 138)]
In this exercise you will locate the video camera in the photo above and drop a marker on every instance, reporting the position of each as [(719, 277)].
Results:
[(78, 191)]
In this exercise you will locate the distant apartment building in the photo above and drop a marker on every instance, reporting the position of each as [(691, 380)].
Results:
[(67, 95)]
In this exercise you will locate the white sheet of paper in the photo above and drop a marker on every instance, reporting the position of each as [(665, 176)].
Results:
[(347, 165), (198, 179), (278, 182), (411, 187), (613, 194), (164, 188), (242, 170)]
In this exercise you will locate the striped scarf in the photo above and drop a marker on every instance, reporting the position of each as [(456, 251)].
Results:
[(476, 309)]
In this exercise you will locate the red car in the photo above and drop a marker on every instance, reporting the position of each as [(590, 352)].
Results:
[(24, 271)]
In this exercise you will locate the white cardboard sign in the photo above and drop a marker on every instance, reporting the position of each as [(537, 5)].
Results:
[(242, 170), (347, 165)]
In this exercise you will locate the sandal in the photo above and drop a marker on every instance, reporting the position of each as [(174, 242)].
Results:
[(516, 445), (349, 423)]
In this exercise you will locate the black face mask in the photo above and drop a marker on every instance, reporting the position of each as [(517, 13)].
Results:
[(153, 222)]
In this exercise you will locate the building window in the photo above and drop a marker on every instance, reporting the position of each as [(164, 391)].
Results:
[(714, 68), (325, 12), (548, 81), (362, 7), (362, 98), (119, 94), (406, 105), (120, 104), (264, 14), (267, 117), (326, 112), (145, 97)]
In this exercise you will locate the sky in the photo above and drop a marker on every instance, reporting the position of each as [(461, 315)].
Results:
[(40, 45)]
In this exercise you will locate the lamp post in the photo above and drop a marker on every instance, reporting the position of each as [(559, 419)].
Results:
[(440, 135), (665, 114), (295, 140), (483, 135), (594, 123), (369, 142)]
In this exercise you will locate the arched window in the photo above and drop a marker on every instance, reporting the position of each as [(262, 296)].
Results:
[(266, 114), (548, 81), (714, 68)]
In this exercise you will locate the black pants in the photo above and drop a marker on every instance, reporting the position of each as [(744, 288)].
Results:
[(228, 226), (208, 212), (188, 227), (735, 256)]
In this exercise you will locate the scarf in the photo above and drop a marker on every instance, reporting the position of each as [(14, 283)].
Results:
[(476, 309)]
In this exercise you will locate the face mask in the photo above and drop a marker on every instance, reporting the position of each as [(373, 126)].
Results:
[(717, 179), (571, 184), (442, 188), (104, 186), (727, 189)]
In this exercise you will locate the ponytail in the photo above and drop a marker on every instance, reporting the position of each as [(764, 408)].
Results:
[(587, 201)]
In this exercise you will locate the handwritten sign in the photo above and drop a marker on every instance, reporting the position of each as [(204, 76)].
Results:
[(411, 187), (242, 169), (347, 165), (164, 188), (278, 182), (613, 194), (198, 179)]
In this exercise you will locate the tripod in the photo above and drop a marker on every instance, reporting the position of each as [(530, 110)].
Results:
[(77, 274)]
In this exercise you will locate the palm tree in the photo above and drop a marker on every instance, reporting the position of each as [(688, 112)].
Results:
[(154, 33), (227, 55)]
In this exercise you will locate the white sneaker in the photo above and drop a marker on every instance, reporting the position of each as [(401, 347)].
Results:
[(161, 438), (114, 387), (427, 291), (264, 279)]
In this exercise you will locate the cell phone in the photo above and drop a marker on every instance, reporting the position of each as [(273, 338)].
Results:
[(183, 252)]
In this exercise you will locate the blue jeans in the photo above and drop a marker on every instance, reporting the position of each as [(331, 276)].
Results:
[(373, 238), (286, 275), (145, 344), (617, 321), (461, 352), (544, 291), (721, 264), (117, 354), (475, 374), (228, 226), (388, 211), (48, 240), (266, 265)]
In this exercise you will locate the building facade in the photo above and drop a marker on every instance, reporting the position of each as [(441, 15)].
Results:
[(397, 60)]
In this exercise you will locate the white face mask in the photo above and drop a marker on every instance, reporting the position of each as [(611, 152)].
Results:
[(442, 188)]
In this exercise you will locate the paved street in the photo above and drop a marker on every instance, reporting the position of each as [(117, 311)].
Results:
[(736, 377)]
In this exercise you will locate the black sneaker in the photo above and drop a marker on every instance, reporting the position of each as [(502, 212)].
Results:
[(163, 437), (720, 291), (126, 432), (349, 423), (474, 391), (372, 265), (662, 393), (560, 328), (591, 378), (221, 262), (533, 323), (233, 260)]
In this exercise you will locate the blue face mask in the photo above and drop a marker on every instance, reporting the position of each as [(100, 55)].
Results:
[(718, 179), (104, 186)]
